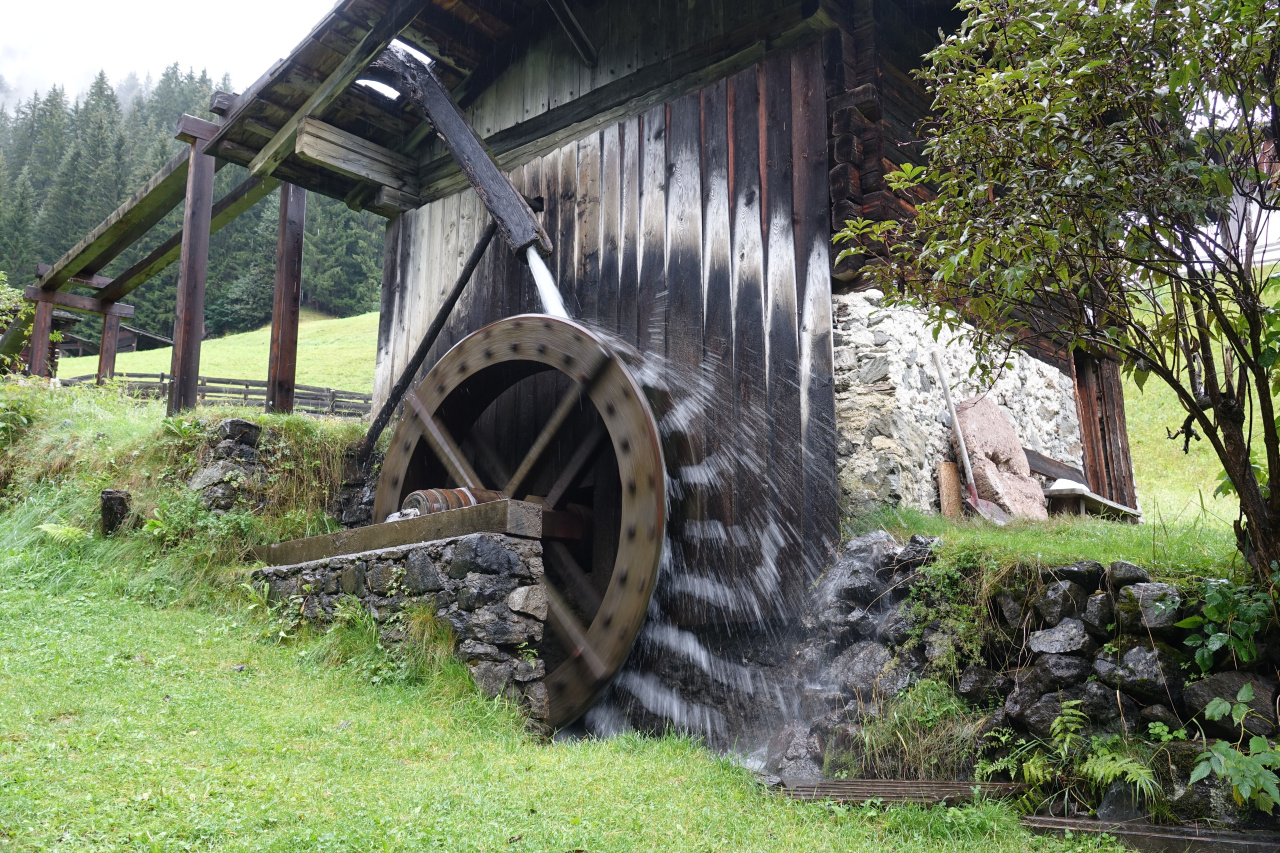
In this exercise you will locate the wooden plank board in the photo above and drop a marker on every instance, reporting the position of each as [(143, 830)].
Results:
[(350, 155), (632, 95), (786, 458), (651, 301), (629, 234), (610, 228), (567, 226), (717, 337), (750, 352), (587, 230), (687, 448), (393, 282), (511, 518), (816, 373)]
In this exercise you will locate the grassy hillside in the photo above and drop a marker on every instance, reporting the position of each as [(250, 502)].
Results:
[(148, 703), (332, 353)]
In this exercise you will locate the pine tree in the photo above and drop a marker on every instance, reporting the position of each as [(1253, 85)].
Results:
[(342, 259), (17, 218)]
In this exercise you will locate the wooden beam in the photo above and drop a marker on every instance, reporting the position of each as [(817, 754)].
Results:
[(76, 302), (399, 16), (97, 282), (122, 228), (188, 325), (512, 518), (226, 211), (350, 155), (110, 345), (283, 363), (222, 103), (419, 84), (41, 329), (577, 35)]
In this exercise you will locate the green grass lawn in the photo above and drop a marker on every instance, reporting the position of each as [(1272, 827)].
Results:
[(125, 726), (332, 353)]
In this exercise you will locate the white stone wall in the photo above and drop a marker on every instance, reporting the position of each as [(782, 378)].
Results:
[(891, 416)]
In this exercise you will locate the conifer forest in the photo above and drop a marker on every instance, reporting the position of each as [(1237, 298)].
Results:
[(67, 161)]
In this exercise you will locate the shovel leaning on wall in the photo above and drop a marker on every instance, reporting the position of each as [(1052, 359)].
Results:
[(984, 508)]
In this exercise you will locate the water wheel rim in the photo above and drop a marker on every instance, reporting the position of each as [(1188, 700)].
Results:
[(572, 349)]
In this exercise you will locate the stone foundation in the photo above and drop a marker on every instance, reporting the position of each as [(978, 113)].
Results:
[(484, 585), (891, 417)]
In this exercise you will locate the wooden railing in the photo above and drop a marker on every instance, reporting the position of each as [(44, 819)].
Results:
[(213, 390)]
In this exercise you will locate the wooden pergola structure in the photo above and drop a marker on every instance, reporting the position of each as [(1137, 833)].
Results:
[(303, 126)]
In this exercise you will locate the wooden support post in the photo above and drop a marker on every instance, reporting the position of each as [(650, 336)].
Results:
[(41, 329), (283, 367), (188, 324), (110, 345)]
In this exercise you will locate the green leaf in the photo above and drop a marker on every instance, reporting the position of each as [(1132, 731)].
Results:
[(1239, 712), (1246, 693), (1217, 707), (1202, 770), (1190, 621)]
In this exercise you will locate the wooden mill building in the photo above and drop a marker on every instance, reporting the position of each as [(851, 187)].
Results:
[(693, 158)]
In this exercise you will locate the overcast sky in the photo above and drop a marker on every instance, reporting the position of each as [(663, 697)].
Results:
[(66, 42)]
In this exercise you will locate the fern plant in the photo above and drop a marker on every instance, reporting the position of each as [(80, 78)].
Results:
[(1069, 765), (64, 535)]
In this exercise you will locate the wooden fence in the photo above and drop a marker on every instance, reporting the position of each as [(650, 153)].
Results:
[(212, 390)]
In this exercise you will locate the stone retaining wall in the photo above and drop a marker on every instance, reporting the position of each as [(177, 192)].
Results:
[(891, 418), (484, 585), (1105, 636)]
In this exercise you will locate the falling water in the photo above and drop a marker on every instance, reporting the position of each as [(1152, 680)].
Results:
[(547, 291), (716, 655)]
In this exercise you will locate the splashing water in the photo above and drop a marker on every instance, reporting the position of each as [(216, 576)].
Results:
[(550, 295), (715, 658)]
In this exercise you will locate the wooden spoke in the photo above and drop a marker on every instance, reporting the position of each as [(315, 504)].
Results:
[(553, 426), (445, 448), (571, 632), (577, 464), (579, 584)]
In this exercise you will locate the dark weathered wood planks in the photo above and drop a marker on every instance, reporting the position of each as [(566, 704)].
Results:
[(815, 375)]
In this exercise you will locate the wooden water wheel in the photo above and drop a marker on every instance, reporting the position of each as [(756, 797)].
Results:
[(541, 409)]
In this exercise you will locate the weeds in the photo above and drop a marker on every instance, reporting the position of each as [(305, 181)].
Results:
[(925, 732)]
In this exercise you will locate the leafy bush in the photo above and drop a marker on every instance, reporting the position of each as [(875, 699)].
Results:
[(1250, 773), (1232, 616)]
